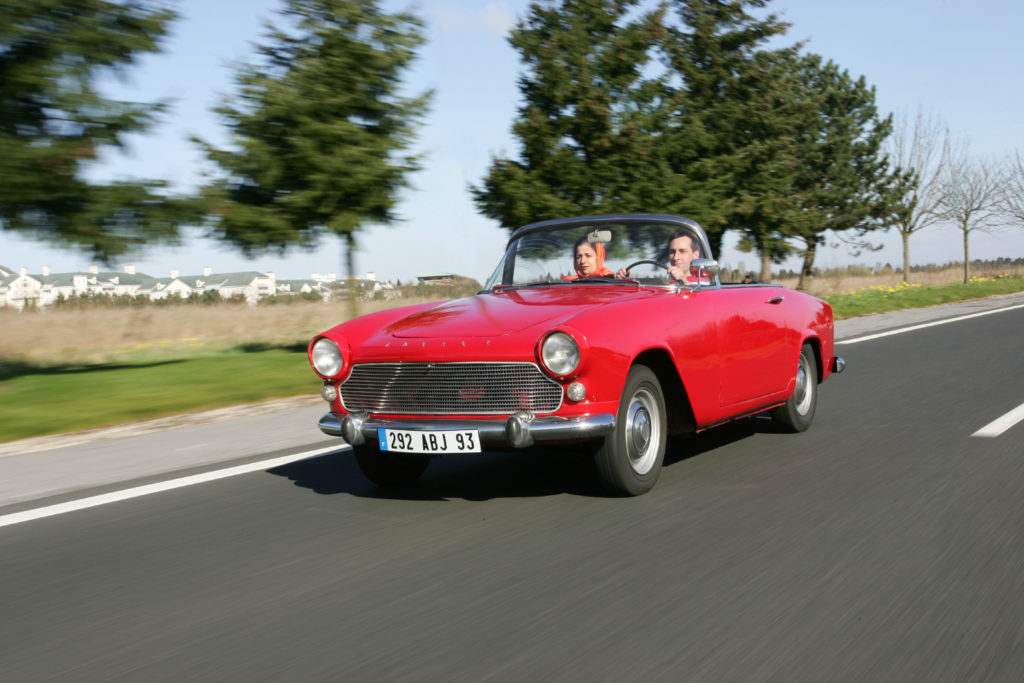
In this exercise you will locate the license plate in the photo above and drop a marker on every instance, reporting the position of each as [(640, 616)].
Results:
[(447, 441)]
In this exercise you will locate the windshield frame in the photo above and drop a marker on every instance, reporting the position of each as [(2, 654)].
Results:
[(502, 277)]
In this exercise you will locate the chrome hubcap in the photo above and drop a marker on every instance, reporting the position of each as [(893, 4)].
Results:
[(642, 432), (804, 391)]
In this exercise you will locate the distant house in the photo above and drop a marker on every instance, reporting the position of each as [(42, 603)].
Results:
[(20, 289), (6, 276), (23, 290), (126, 283), (183, 286), (295, 287), (252, 285), (166, 287), (436, 279)]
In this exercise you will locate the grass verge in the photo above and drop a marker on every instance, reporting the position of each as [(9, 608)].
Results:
[(881, 298)]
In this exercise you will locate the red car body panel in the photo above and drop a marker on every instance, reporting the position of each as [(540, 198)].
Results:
[(734, 351)]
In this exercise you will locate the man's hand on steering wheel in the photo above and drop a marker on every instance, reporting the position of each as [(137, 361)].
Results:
[(678, 273), (623, 273)]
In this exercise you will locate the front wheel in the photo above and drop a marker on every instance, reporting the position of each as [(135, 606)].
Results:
[(797, 413), (630, 458), (390, 469)]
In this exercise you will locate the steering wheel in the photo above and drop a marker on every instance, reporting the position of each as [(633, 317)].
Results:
[(640, 263)]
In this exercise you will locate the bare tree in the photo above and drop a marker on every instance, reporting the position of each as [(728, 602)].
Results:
[(921, 150), (1011, 192), (970, 198)]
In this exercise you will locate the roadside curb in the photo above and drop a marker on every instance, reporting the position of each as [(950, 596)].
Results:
[(65, 439)]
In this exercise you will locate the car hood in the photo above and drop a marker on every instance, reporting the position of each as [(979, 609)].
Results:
[(505, 312)]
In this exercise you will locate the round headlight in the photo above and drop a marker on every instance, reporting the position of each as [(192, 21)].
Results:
[(326, 357), (560, 353)]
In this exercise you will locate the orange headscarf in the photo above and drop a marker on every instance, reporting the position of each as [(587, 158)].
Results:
[(599, 270)]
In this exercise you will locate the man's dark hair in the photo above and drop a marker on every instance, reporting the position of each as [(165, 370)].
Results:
[(683, 232)]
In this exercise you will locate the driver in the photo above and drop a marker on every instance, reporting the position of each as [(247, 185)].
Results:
[(588, 260), (682, 248)]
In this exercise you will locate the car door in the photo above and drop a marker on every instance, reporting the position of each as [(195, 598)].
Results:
[(756, 342)]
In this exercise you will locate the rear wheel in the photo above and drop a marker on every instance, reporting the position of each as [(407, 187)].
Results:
[(630, 458), (797, 413), (390, 469)]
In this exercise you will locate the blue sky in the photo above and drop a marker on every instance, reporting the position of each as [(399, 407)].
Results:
[(958, 59)]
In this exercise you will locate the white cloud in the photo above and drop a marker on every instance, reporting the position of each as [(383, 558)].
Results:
[(495, 18)]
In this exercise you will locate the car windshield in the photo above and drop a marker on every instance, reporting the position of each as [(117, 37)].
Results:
[(587, 253)]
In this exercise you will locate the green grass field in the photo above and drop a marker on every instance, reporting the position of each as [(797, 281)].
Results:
[(38, 399)]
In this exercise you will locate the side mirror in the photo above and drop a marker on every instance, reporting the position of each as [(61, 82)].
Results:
[(604, 236), (703, 268)]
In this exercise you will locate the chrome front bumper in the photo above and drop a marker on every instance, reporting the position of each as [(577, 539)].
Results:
[(519, 431)]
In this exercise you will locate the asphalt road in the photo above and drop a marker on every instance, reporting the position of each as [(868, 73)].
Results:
[(885, 543)]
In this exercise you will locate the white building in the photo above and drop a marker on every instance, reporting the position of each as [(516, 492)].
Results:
[(21, 290)]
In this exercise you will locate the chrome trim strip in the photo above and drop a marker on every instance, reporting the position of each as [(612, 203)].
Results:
[(518, 431)]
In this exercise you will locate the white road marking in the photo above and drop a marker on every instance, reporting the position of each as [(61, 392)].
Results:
[(158, 487), (998, 426), (924, 325)]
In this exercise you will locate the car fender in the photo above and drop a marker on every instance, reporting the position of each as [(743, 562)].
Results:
[(646, 335)]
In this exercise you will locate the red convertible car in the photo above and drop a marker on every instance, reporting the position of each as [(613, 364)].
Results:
[(606, 331)]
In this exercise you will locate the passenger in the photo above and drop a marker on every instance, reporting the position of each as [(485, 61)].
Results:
[(682, 248), (588, 259)]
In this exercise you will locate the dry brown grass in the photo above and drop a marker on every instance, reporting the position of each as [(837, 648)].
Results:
[(101, 335), (840, 281)]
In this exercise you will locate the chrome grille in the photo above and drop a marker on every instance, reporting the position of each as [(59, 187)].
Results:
[(449, 389)]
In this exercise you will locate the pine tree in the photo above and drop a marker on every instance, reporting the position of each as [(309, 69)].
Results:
[(587, 108), (844, 181), (770, 142), (321, 134), (54, 124), (731, 122)]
